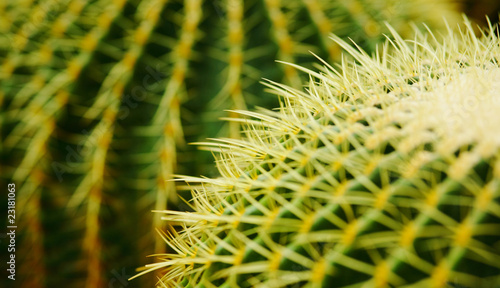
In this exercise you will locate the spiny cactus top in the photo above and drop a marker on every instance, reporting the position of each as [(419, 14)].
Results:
[(384, 173)]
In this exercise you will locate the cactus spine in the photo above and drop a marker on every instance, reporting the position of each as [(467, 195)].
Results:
[(385, 173)]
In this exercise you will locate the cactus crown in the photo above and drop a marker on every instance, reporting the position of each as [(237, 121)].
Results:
[(383, 173)]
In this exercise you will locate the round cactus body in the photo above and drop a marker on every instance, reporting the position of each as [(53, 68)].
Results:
[(384, 173)]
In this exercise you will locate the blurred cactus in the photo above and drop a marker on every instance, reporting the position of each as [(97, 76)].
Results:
[(383, 174), (99, 97)]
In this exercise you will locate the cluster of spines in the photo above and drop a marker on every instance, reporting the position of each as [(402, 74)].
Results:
[(326, 190), (295, 28)]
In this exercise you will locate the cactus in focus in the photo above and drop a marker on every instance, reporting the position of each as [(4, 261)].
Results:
[(99, 98), (384, 173)]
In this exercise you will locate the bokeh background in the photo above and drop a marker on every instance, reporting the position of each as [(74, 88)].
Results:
[(99, 100)]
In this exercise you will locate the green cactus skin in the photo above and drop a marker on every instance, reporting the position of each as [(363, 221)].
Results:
[(385, 173), (98, 98)]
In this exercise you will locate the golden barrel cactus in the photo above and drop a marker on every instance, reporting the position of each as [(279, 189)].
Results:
[(384, 172)]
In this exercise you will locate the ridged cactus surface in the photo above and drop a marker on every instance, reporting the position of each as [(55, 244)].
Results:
[(384, 173), (98, 99)]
